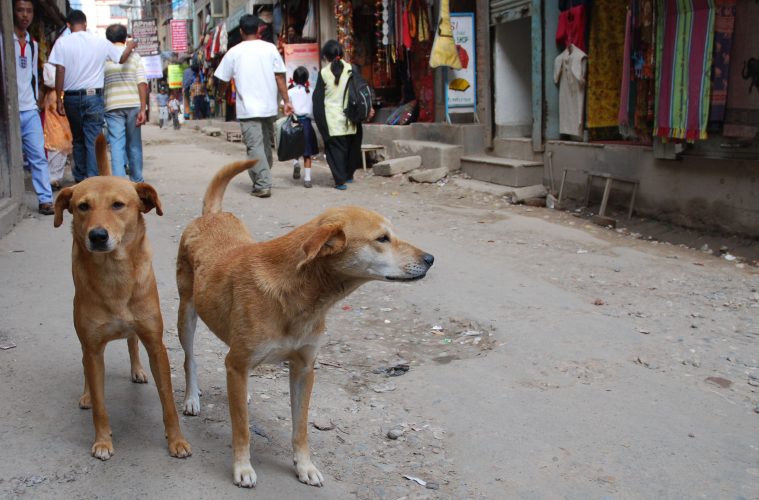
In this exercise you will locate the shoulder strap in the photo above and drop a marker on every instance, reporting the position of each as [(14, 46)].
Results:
[(34, 80)]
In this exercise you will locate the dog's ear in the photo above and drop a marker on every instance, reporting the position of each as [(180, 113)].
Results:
[(62, 202), (326, 240), (148, 197)]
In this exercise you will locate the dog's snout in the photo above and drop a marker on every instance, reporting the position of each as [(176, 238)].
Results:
[(98, 236), (429, 259)]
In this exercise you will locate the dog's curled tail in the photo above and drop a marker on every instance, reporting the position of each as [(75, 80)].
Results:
[(215, 191), (101, 153)]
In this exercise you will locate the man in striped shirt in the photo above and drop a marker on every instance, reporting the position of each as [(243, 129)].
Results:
[(126, 91)]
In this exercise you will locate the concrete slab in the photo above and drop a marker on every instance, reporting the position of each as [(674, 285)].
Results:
[(434, 154), (376, 133), (212, 131), (471, 136), (428, 174), (504, 171), (395, 166), (518, 148)]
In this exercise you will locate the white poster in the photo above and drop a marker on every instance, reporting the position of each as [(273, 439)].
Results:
[(461, 89), (153, 67)]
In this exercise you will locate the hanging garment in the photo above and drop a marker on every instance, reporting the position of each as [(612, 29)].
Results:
[(423, 80), (624, 119), (605, 61), (309, 27), (723, 40), (684, 32), (569, 71), (742, 113), (223, 38), (573, 23), (444, 51)]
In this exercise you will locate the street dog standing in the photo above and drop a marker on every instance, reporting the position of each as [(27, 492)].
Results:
[(115, 291), (268, 301)]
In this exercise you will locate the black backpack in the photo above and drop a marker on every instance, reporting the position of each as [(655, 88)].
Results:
[(359, 96)]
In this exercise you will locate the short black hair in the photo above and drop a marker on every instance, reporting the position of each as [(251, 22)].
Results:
[(249, 24), (76, 17), (13, 4), (116, 33)]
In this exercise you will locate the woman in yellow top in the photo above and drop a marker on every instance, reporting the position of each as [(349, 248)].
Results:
[(342, 138)]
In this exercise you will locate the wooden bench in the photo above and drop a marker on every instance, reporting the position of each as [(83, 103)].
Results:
[(367, 148), (609, 179)]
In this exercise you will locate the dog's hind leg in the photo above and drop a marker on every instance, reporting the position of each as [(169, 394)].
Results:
[(186, 323), (301, 383), (139, 375)]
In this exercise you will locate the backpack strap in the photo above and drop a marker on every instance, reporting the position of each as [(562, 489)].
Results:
[(34, 67)]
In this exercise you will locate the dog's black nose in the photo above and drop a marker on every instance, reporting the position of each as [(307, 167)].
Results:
[(98, 236), (429, 259)]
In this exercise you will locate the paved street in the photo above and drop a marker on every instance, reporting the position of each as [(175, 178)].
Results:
[(549, 358)]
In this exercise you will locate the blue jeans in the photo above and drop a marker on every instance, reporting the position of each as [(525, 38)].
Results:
[(125, 138), (33, 143), (85, 115)]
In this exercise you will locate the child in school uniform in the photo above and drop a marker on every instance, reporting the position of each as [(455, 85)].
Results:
[(300, 97)]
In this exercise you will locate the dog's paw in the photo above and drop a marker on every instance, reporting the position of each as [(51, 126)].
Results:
[(308, 473), (84, 402), (192, 406), (102, 450), (180, 448), (139, 376), (244, 476)]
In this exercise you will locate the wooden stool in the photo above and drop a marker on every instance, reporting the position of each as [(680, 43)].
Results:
[(607, 189), (366, 148)]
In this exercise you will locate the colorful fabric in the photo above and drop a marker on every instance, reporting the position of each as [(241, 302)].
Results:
[(605, 61), (637, 96), (572, 28), (685, 34), (723, 41), (742, 110)]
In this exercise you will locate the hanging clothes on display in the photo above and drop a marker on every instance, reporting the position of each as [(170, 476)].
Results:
[(684, 32), (573, 24), (605, 61), (742, 108), (569, 70), (724, 24), (636, 106)]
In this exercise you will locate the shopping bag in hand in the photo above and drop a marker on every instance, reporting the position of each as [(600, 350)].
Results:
[(292, 140)]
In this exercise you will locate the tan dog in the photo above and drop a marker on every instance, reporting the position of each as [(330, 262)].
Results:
[(115, 292), (268, 301)]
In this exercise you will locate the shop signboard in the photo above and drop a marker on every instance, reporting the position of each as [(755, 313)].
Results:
[(179, 35), (145, 33), (175, 76), (461, 84), (153, 67), (180, 9), (302, 54)]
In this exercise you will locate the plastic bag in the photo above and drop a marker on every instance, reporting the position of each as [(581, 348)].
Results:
[(292, 140)]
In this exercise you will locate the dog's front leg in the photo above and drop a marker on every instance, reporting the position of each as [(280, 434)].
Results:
[(301, 384), (94, 369), (243, 474), (159, 365)]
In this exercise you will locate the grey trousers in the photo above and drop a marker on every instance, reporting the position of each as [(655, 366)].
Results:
[(257, 134)]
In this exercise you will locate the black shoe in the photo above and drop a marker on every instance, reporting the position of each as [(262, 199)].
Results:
[(261, 193), (296, 170), (46, 209), (307, 184)]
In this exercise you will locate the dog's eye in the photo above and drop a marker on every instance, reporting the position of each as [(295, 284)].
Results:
[(117, 205), (384, 239), (83, 207)]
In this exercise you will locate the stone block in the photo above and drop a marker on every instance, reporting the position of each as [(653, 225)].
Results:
[(212, 131), (434, 154), (397, 165), (428, 174)]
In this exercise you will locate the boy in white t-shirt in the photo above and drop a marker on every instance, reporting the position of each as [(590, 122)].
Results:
[(303, 108)]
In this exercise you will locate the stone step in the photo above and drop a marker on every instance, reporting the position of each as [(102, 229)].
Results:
[(471, 136), (503, 171), (397, 165), (518, 148), (434, 154)]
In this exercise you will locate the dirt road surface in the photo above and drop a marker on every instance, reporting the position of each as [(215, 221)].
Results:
[(548, 358)]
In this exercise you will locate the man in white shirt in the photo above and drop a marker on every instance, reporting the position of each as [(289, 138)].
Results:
[(259, 73), (32, 136), (80, 59)]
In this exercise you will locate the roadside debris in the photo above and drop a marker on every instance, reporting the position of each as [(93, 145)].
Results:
[(6, 343), (720, 382), (386, 387), (395, 433), (323, 424), (393, 371)]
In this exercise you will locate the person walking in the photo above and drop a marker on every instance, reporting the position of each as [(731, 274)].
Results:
[(259, 73), (199, 99), (126, 92), (80, 71), (342, 138), (162, 99), (32, 136), (175, 108), (303, 108), (58, 139)]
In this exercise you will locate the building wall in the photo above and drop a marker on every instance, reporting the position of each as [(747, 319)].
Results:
[(695, 192), (512, 63)]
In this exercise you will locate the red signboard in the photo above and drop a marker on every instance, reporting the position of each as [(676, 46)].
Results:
[(179, 35)]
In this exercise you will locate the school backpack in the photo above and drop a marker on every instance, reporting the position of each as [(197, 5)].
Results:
[(359, 97)]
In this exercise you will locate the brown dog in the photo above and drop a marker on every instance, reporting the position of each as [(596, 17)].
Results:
[(268, 301), (115, 292)]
